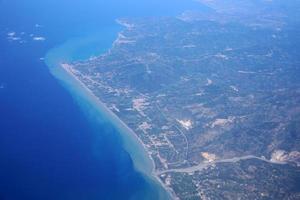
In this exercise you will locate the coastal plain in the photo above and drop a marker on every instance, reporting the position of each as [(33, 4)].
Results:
[(213, 97)]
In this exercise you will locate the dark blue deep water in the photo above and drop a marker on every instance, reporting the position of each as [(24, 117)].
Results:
[(50, 149)]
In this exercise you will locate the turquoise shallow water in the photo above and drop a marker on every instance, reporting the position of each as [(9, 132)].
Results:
[(77, 49), (56, 142), (83, 47)]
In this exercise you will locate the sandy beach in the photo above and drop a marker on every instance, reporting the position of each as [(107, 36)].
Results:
[(58, 60), (118, 123), (132, 143)]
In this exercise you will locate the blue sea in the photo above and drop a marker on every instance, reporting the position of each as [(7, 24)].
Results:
[(53, 146)]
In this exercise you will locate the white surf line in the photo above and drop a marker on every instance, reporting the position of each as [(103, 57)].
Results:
[(202, 166)]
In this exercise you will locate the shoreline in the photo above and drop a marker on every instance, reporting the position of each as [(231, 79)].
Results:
[(57, 60), (123, 129), (131, 142), (68, 69)]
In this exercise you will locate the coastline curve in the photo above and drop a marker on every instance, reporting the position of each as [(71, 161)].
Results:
[(56, 59)]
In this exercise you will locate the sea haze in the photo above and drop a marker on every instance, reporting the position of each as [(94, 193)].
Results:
[(49, 147)]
